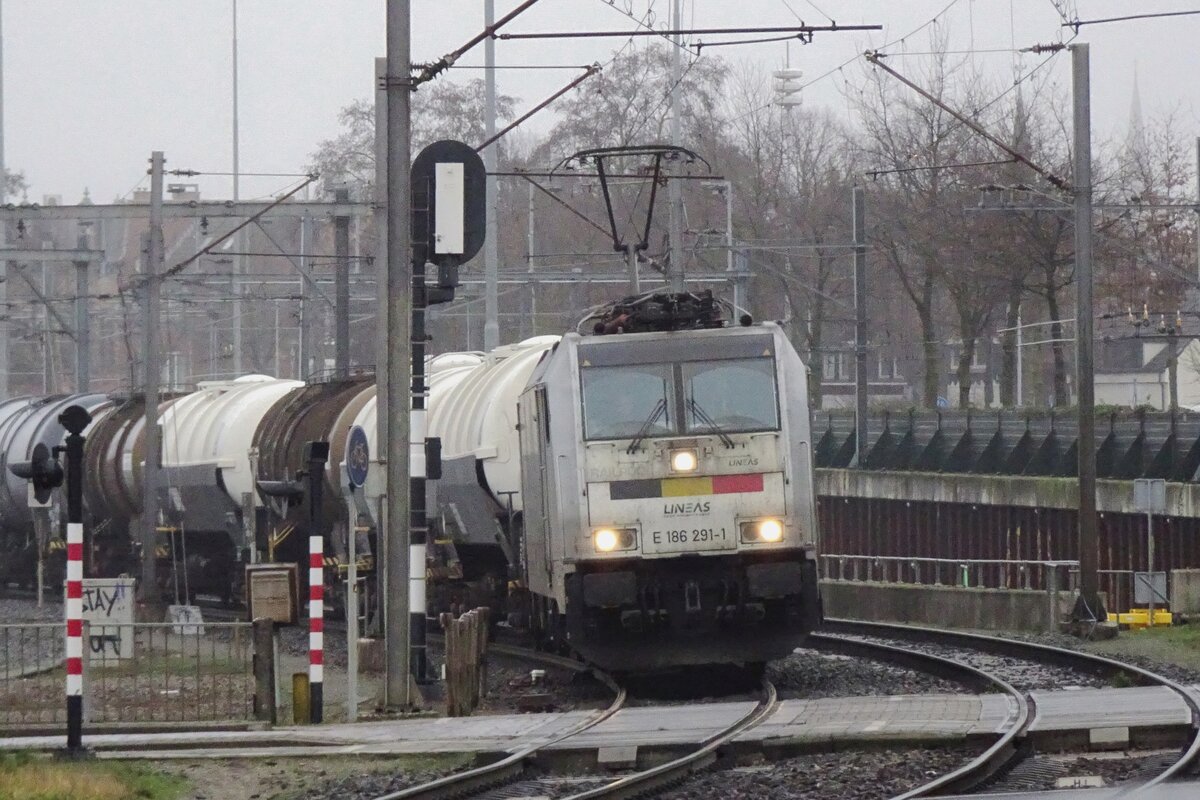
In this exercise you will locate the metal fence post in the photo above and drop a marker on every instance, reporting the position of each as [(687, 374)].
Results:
[(264, 670), (1052, 591)]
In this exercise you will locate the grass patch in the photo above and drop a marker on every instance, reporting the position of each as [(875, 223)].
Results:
[(25, 777)]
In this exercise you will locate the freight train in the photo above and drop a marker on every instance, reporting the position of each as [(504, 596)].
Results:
[(639, 493)]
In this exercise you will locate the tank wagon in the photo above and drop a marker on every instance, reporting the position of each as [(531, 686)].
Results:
[(642, 497)]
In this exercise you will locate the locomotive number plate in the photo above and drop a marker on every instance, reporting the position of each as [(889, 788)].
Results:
[(688, 539)]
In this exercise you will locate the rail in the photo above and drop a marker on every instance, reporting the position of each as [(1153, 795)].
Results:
[(512, 766), (1189, 756), (989, 763), (648, 780)]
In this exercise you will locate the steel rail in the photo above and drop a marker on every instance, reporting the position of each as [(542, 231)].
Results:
[(648, 780), (1189, 756), (1002, 752), (512, 766)]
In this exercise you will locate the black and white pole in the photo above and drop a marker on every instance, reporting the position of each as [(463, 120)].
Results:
[(418, 519), (448, 181), (315, 456), (74, 419)]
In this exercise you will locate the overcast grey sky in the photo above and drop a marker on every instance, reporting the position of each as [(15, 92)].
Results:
[(92, 86)]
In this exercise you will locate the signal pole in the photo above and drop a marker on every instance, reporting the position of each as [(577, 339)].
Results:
[(148, 586), (399, 366)]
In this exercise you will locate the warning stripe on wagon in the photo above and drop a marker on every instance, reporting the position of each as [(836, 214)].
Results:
[(685, 487)]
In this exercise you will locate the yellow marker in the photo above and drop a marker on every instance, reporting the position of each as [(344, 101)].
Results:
[(686, 487)]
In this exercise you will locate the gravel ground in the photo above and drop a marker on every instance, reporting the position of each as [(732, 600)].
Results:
[(1167, 669), (862, 775), (1024, 675), (857, 775), (810, 674), (368, 786), (1042, 772), (24, 608)]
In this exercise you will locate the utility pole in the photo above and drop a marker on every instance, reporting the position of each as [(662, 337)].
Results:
[(83, 324), (491, 258), (1197, 206), (674, 185), (341, 251), (399, 367), (148, 586), (860, 326), (1088, 608)]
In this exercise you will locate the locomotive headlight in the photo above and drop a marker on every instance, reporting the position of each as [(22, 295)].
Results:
[(607, 540), (684, 461), (762, 530)]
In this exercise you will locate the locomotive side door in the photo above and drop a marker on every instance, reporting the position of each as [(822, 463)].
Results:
[(535, 545)]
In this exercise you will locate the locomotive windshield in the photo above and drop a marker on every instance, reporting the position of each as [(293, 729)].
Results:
[(618, 402), (730, 395), (691, 397)]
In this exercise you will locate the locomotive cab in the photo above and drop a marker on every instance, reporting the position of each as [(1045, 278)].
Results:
[(669, 507)]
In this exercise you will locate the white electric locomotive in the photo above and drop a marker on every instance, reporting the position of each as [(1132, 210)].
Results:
[(667, 484)]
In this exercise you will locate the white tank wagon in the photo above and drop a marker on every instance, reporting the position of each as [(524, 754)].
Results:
[(472, 409), (24, 424), (207, 438)]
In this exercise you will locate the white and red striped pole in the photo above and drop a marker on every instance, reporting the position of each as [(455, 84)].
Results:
[(316, 626), (74, 612)]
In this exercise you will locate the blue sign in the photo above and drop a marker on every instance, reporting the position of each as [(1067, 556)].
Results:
[(942, 402), (358, 457)]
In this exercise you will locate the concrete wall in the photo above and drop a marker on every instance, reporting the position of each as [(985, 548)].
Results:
[(946, 606), (1185, 591)]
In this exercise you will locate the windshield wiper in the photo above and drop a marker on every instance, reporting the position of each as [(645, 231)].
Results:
[(710, 422), (644, 431)]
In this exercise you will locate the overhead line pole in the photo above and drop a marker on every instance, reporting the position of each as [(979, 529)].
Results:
[(151, 276), (237, 260), (83, 323), (1088, 608), (341, 248), (860, 326), (382, 250), (491, 256), (4, 384), (674, 187), (399, 368)]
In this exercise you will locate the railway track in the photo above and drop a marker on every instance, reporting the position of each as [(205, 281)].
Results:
[(1008, 750), (510, 768)]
